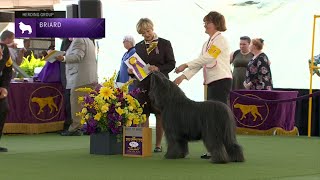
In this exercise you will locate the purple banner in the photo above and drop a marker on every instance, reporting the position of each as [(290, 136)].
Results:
[(38, 103), (60, 27), (261, 115), (133, 145)]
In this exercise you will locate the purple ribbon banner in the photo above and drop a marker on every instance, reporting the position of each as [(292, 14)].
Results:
[(60, 27)]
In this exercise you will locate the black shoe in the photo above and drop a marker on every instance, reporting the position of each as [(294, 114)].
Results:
[(69, 133), (205, 156), (2, 149), (157, 149)]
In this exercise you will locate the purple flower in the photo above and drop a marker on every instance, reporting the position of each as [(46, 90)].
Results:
[(97, 88), (92, 122), (135, 92), (88, 99), (90, 127)]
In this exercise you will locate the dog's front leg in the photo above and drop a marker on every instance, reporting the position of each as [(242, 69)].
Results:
[(176, 149)]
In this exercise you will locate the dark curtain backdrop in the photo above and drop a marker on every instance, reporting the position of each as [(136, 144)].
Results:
[(301, 117)]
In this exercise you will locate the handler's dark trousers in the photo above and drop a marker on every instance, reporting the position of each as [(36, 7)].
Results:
[(220, 90), (3, 113)]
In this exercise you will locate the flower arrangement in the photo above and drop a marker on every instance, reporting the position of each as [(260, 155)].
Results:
[(107, 108), (316, 62), (29, 66)]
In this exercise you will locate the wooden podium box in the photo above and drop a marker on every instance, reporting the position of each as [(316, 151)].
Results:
[(137, 141)]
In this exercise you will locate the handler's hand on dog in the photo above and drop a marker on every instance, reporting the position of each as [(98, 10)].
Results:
[(181, 68), (179, 79), (3, 93), (130, 71)]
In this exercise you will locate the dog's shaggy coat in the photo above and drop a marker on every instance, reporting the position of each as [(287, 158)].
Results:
[(186, 120)]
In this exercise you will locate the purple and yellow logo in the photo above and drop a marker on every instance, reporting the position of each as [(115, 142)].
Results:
[(45, 103), (248, 114)]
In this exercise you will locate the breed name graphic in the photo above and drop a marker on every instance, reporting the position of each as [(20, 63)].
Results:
[(43, 102), (25, 27), (245, 109)]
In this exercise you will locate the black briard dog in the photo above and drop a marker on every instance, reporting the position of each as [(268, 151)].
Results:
[(186, 120)]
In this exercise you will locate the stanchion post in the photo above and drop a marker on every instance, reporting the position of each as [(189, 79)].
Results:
[(311, 73)]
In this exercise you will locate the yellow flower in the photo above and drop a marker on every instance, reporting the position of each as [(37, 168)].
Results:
[(118, 104), (106, 92), (80, 99), (85, 89), (78, 114), (104, 108), (97, 116), (144, 118), (87, 116), (130, 108), (140, 110), (82, 121), (119, 111), (129, 123), (136, 121), (84, 110)]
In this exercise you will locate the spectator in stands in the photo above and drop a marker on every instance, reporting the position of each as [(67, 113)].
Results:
[(128, 43), (68, 121), (81, 71), (240, 59), (26, 51), (258, 74)]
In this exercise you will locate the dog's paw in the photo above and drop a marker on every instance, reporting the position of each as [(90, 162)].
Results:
[(174, 156)]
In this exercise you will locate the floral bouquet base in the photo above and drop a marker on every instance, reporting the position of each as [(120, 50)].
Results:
[(137, 141), (105, 143)]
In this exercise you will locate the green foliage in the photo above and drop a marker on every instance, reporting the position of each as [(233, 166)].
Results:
[(29, 66)]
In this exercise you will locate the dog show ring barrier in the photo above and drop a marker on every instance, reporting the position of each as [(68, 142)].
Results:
[(35, 108)]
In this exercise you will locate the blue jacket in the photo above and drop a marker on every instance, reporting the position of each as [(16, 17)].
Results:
[(123, 75)]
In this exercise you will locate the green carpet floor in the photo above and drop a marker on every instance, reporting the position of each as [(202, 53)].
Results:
[(52, 157)]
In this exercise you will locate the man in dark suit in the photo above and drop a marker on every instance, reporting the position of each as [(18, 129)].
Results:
[(64, 47), (158, 53), (6, 62)]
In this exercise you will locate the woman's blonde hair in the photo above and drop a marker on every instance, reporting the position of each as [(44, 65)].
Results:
[(258, 42), (144, 24)]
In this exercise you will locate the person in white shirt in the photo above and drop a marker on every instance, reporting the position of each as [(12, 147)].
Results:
[(214, 60)]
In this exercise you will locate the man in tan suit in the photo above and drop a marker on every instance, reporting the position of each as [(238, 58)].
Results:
[(81, 71)]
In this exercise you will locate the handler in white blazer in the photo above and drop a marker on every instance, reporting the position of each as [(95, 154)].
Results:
[(81, 71), (214, 60)]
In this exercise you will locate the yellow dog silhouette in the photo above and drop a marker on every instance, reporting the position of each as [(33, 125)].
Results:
[(245, 109), (43, 102)]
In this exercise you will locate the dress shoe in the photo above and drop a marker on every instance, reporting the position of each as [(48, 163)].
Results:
[(69, 133), (2, 149), (205, 156)]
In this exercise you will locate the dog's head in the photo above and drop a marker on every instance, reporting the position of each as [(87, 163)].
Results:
[(159, 88), (163, 91), (236, 105), (21, 23)]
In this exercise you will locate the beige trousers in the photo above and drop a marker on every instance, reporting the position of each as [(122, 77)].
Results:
[(76, 107)]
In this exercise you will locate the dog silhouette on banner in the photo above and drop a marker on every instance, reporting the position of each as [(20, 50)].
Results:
[(25, 27), (43, 102)]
